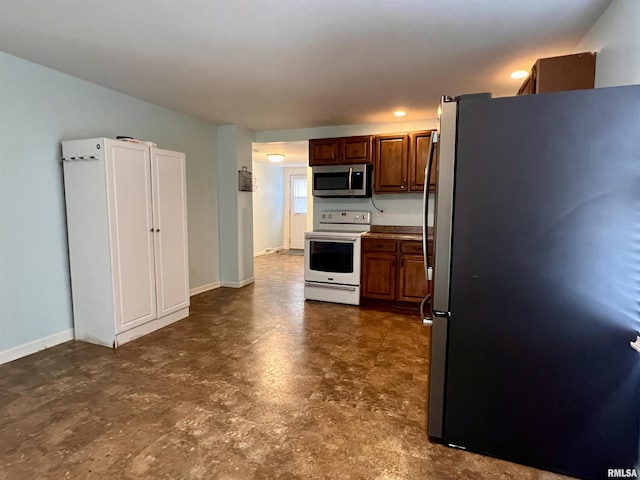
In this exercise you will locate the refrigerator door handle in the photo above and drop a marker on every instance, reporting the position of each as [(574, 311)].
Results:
[(427, 180), (428, 270)]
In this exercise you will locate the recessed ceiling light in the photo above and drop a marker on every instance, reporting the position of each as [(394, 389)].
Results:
[(399, 113), (275, 157), (519, 74)]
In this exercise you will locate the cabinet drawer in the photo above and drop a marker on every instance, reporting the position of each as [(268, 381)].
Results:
[(374, 245), (411, 247)]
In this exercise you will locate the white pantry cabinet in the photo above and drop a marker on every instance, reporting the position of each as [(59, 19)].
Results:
[(127, 232)]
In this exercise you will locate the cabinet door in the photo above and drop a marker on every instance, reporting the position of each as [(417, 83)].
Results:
[(418, 152), (356, 149), (170, 230), (433, 175), (412, 282), (379, 276), (391, 160), (527, 86), (567, 72), (323, 151), (131, 237)]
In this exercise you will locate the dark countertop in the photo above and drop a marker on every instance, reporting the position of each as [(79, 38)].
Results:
[(397, 232)]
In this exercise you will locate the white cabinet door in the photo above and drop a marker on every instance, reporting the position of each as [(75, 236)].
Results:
[(170, 222), (131, 236)]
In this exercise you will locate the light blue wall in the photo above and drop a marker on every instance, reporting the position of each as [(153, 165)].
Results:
[(228, 202), (398, 209), (236, 208), (616, 38), (39, 108), (245, 209), (268, 207)]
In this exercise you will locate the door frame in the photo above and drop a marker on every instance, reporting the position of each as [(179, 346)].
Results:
[(287, 173)]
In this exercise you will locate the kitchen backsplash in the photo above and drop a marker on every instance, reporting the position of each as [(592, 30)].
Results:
[(398, 209)]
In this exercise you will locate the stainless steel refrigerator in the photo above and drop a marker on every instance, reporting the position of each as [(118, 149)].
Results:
[(537, 279)]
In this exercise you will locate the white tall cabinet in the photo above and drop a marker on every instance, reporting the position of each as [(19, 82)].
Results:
[(127, 230)]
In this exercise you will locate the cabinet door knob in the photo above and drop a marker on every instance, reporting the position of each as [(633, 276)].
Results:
[(151, 230), (157, 229)]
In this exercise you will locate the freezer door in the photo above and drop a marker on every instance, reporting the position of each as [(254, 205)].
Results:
[(544, 283)]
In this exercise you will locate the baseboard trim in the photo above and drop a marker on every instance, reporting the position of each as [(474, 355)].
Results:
[(241, 284), (269, 251), (204, 288), (152, 326), (25, 349)]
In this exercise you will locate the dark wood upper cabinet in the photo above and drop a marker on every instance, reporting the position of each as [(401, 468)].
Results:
[(323, 151), (399, 159), (567, 72), (390, 166), (341, 151), (418, 151), (356, 149)]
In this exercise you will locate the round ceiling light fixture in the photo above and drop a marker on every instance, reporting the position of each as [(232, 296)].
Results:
[(400, 113), (519, 74), (275, 157)]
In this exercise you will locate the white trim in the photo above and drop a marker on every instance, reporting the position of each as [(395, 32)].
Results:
[(204, 288), (35, 346), (149, 327), (241, 284), (271, 250)]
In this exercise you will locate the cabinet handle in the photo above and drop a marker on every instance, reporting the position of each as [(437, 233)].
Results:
[(151, 230), (157, 229)]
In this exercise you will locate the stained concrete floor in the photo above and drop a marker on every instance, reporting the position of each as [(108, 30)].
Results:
[(255, 384)]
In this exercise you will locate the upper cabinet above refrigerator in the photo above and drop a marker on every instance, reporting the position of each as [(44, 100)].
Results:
[(400, 161), (554, 74)]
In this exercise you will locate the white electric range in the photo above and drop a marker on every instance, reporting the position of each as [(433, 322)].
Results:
[(332, 257)]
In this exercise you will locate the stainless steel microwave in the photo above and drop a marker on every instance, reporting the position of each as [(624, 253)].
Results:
[(342, 180)]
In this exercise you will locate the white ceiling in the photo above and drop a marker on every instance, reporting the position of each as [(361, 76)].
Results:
[(295, 63), (296, 153)]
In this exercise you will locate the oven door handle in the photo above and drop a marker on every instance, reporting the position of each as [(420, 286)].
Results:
[(350, 179), (332, 287), (331, 239)]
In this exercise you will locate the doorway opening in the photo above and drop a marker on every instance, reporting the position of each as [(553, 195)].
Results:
[(282, 201), (297, 211)]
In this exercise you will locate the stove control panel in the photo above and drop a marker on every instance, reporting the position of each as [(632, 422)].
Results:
[(345, 217)]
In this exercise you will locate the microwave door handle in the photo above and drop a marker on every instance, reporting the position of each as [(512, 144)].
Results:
[(350, 179)]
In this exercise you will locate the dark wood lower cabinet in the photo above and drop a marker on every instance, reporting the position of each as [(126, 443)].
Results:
[(393, 273), (412, 282), (380, 279)]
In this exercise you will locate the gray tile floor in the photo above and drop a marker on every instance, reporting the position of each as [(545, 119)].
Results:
[(255, 384)]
